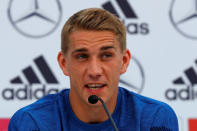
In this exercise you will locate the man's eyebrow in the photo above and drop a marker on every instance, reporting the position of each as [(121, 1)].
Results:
[(85, 50), (107, 47), (80, 50)]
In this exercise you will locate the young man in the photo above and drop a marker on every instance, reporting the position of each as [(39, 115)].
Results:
[(94, 55)]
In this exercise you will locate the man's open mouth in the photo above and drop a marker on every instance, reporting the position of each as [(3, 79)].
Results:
[(94, 86)]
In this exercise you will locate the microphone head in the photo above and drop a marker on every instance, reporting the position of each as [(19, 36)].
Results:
[(93, 99)]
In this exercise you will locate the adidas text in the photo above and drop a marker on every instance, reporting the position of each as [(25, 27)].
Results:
[(28, 92), (187, 93)]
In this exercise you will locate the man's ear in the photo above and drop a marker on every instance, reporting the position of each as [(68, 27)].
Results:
[(62, 63), (125, 61)]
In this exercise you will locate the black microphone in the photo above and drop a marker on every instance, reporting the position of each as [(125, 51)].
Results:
[(93, 99)]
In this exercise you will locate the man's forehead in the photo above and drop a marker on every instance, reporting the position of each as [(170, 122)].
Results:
[(91, 33), (86, 37), (92, 40)]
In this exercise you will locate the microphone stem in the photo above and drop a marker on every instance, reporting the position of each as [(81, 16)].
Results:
[(109, 115)]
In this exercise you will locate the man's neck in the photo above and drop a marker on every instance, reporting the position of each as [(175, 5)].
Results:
[(91, 113)]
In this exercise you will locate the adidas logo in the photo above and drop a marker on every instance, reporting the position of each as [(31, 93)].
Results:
[(127, 11), (31, 76), (124, 6), (189, 84), (32, 84)]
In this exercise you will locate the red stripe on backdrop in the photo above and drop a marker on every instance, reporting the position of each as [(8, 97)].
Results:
[(192, 124), (4, 124)]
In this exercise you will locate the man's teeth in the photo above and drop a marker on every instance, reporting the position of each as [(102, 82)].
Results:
[(94, 86)]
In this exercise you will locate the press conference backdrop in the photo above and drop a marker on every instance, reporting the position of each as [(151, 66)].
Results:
[(161, 35)]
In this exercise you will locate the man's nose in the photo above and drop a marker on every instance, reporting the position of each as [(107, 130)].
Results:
[(94, 69)]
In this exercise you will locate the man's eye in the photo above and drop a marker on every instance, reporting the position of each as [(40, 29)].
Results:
[(106, 55), (82, 56)]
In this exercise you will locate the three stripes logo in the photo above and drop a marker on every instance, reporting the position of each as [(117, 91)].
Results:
[(32, 84), (124, 6), (189, 84), (31, 76), (126, 10)]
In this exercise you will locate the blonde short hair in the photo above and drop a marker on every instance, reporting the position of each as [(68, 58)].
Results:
[(95, 19)]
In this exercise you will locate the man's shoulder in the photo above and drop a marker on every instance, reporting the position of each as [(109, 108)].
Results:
[(147, 107), (149, 111), (39, 111), (142, 101), (46, 101)]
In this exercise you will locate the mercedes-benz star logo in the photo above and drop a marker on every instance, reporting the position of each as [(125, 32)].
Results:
[(35, 18), (134, 78), (183, 15)]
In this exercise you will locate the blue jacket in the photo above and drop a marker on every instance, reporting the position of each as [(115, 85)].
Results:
[(133, 112)]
